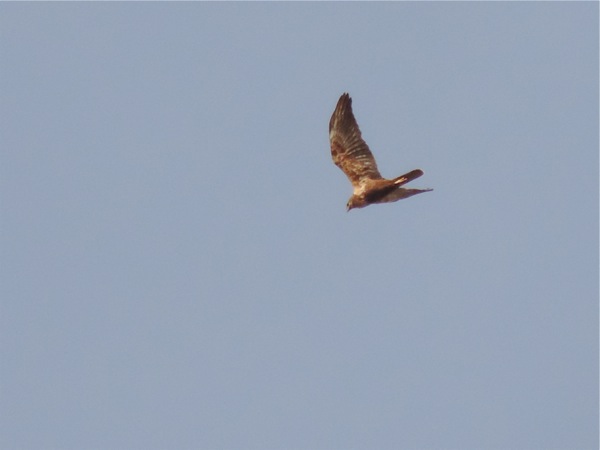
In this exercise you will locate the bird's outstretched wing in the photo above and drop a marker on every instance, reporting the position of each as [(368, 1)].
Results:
[(348, 150)]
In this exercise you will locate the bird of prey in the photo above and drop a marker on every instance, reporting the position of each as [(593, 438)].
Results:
[(351, 154)]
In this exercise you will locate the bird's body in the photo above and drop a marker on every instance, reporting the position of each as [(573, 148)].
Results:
[(351, 154)]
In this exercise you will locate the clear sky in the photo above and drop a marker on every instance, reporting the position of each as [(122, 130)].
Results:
[(178, 268)]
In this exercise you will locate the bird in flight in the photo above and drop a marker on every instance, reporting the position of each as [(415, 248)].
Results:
[(351, 154)]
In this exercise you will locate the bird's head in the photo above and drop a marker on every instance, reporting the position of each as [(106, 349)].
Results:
[(353, 202)]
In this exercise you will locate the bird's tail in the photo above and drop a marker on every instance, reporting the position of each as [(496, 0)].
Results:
[(403, 179)]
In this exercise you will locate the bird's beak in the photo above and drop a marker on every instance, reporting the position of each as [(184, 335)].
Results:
[(348, 208)]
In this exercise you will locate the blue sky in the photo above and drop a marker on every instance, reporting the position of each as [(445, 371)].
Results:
[(178, 268)]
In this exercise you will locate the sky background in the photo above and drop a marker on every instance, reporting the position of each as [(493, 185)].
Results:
[(178, 268)]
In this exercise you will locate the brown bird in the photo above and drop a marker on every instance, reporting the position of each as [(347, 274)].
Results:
[(351, 154)]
